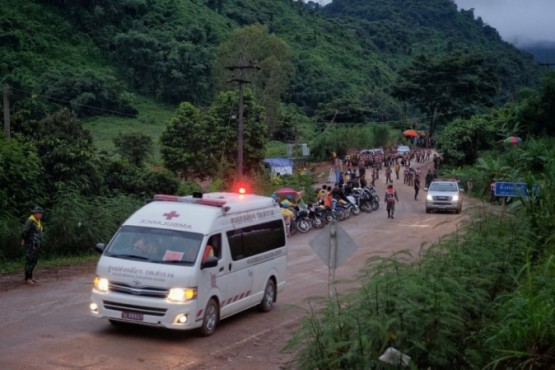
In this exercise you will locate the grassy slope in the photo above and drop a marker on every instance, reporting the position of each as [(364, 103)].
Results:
[(151, 121)]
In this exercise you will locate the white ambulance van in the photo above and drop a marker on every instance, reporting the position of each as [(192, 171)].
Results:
[(185, 262)]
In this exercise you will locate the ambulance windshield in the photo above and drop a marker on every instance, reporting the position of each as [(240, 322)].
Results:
[(155, 245)]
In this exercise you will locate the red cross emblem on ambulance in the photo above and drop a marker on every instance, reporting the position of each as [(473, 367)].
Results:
[(170, 215)]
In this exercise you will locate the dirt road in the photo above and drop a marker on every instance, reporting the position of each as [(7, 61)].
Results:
[(48, 326)]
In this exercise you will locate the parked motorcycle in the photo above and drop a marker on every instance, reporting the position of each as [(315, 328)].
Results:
[(362, 200), (341, 212), (316, 216), (301, 222), (373, 196), (352, 205)]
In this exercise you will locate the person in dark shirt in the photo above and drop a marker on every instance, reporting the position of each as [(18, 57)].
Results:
[(31, 239)]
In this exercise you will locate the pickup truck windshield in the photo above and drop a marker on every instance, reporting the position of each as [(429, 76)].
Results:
[(446, 186)]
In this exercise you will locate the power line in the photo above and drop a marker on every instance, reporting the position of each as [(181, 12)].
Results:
[(418, 119), (70, 103)]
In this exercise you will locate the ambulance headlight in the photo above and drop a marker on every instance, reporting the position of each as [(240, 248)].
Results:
[(101, 284), (182, 294)]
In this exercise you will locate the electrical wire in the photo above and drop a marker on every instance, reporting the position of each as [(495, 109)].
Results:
[(63, 102)]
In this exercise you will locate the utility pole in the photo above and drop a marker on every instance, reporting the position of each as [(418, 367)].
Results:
[(241, 81), (6, 111)]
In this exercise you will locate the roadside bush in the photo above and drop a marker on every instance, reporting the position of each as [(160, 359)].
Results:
[(21, 176), (76, 223), (188, 187), (430, 309), (160, 182), (523, 337), (10, 235)]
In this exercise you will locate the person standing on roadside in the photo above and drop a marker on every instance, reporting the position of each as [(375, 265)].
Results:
[(492, 191), (429, 178), (388, 179), (416, 187), (31, 239), (362, 173), (469, 185), (390, 199)]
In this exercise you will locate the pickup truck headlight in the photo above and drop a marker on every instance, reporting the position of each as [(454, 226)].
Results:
[(101, 284), (429, 197), (180, 295), (455, 198)]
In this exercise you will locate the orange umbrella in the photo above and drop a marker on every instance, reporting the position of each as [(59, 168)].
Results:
[(410, 133)]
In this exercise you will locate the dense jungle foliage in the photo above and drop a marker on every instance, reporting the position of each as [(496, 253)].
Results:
[(93, 55)]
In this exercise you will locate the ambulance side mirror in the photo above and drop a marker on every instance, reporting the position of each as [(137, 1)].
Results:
[(211, 261), (99, 247)]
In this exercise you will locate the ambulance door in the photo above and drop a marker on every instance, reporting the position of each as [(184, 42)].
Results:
[(241, 276), (213, 280)]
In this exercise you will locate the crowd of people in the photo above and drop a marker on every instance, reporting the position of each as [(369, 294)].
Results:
[(351, 172), (356, 163)]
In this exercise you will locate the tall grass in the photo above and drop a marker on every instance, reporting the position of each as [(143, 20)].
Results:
[(431, 308), (523, 337), (482, 298)]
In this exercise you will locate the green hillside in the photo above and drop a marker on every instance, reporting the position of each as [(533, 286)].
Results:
[(106, 59), (400, 29)]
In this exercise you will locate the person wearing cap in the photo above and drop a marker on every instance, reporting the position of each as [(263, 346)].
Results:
[(31, 239)]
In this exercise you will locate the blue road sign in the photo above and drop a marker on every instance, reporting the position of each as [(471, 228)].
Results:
[(512, 189)]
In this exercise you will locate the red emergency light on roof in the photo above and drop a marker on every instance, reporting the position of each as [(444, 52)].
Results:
[(203, 201), (242, 188)]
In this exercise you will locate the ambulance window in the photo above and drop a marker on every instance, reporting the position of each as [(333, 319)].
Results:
[(215, 242), (235, 240), (256, 239)]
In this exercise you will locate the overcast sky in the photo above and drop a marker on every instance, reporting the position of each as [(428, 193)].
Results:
[(518, 21)]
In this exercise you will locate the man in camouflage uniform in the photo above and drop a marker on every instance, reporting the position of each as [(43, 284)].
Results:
[(31, 239)]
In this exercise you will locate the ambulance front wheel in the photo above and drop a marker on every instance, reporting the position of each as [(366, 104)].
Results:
[(210, 319), (269, 296)]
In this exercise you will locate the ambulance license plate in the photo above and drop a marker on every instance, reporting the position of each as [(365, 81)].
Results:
[(137, 316)]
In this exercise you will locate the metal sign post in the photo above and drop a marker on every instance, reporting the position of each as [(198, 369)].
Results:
[(333, 258), (333, 247)]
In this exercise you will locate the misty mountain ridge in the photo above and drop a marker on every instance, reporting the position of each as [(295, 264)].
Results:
[(543, 51)]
